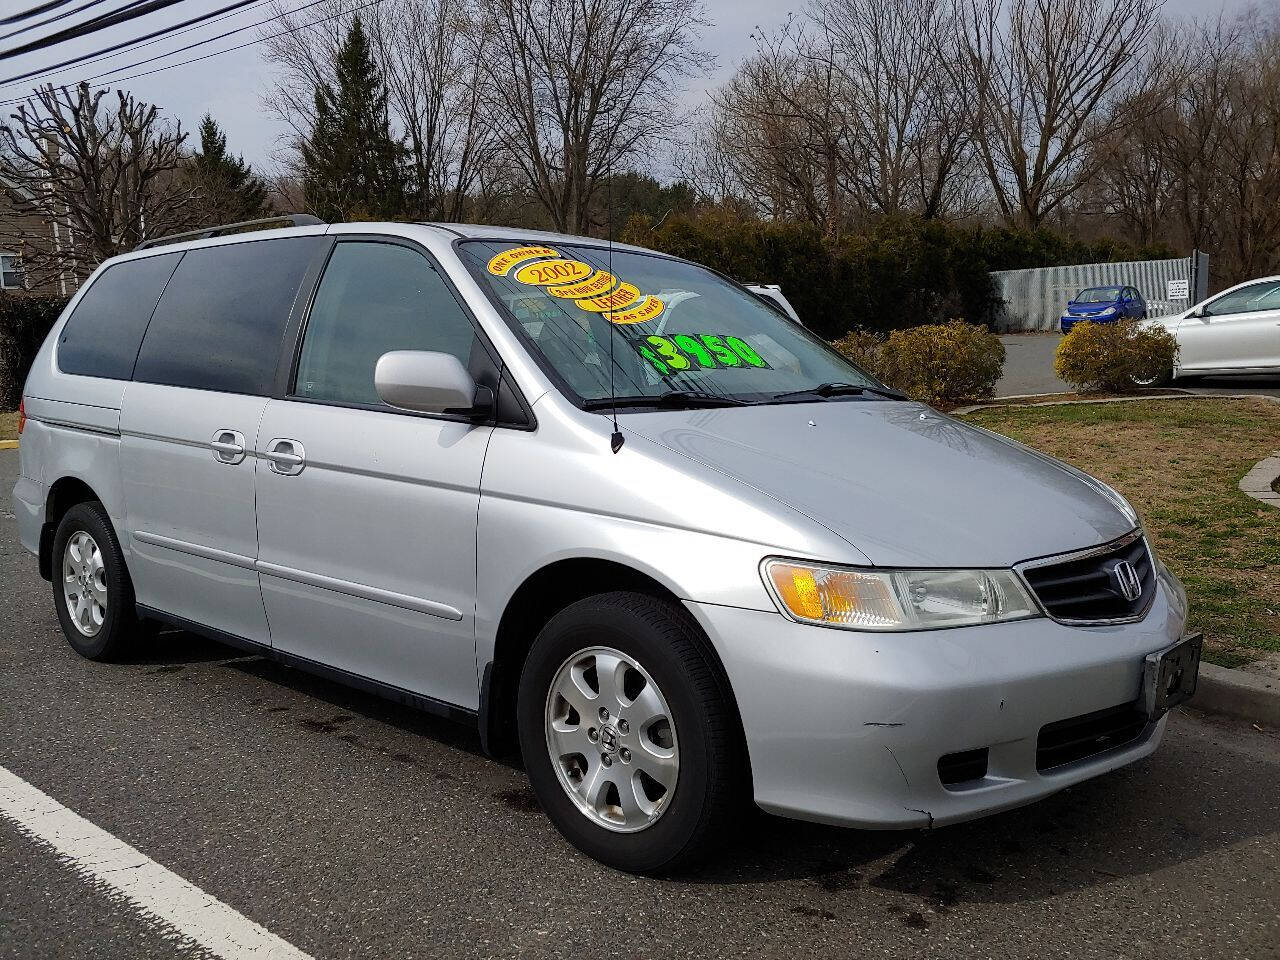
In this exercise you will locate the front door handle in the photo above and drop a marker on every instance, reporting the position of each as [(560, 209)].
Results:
[(228, 446), (287, 456)]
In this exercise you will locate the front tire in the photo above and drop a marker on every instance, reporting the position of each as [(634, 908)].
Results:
[(627, 734), (92, 591)]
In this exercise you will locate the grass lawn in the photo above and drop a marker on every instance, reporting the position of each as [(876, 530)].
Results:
[(8, 424), (1179, 462)]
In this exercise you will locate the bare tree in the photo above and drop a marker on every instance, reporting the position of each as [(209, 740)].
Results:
[(778, 133), (1044, 75), (911, 142), (430, 54), (578, 88), (101, 175)]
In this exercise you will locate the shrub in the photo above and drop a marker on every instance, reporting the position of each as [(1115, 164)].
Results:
[(942, 364), (1110, 357), (24, 323), (862, 347)]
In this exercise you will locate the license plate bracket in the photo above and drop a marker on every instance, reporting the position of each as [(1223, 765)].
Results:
[(1169, 676)]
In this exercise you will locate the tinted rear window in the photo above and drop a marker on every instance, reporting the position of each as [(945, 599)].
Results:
[(100, 339), (220, 321)]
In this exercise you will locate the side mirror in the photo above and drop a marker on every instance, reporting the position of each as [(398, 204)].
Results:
[(428, 382)]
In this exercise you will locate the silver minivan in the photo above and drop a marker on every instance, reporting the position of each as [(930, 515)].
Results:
[(604, 504)]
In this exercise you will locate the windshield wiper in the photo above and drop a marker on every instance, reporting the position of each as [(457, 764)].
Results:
[(672, 398), (828, 390)]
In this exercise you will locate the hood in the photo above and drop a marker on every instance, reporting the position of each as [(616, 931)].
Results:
[(1093, 307), (905, 485)]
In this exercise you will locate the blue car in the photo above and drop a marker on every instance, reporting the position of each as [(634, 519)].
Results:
[(1104, 305)]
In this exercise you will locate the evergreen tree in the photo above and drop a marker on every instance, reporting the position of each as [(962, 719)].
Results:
[(353, 168), (226, 189)]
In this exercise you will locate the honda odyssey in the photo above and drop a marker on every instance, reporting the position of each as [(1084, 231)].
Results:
[(607, 506)]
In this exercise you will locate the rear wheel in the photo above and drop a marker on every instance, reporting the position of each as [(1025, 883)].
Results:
[(627, 736), (91, 587)]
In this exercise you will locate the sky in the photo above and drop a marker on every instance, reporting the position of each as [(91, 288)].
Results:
[(230, 86)]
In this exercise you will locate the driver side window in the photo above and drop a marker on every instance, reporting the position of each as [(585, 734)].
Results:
[(1250, 299)]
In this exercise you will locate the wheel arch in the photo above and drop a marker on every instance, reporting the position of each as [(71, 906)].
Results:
[(543, 594), (64, 493)]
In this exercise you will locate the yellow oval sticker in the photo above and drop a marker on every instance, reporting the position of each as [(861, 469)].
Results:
[(507, 259), (624, 296), (647, 309), (600, 282), (546, 272)]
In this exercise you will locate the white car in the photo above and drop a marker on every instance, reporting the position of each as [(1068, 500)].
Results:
[(1238, 331)]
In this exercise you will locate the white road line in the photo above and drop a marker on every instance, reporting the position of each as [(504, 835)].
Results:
[(155, 891)]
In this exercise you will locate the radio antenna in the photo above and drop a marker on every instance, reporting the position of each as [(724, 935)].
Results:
[(617, 440)]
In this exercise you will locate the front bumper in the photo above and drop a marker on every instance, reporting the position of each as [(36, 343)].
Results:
[(847, 728), (1069, 320)]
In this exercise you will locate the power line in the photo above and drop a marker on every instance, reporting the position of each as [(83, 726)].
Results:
[(49, 20), (201, 43), (141, 42), (130, 11), (164, 31), (216, 53), (35, 11)]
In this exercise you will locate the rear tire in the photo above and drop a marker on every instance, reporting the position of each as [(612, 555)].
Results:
[(92, 592), (1163, 380), (657, 663)]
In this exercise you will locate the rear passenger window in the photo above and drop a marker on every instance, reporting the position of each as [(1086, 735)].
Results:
[(101, 337), (374, 298), (220, 321)]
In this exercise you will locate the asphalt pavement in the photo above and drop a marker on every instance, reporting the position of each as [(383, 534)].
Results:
[(1028, 368), (351, 827)]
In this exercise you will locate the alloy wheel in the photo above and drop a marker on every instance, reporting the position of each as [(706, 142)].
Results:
[(612, 739), (84, 583)]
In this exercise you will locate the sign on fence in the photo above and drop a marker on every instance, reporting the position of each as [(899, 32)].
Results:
[(1178, 289)]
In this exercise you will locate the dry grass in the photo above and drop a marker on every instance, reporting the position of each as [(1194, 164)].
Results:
[(8, 425), (1179, 463)]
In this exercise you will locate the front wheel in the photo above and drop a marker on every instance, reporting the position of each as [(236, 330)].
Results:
[(1160, 380), (627, 734)]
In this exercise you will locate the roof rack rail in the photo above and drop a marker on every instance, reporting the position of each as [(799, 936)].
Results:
[(294, 220)]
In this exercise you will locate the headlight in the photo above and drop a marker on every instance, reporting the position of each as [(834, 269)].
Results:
[(860, 598), (1107, 312)]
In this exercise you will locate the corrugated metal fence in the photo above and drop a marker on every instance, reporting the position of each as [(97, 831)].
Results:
[(1034, 299)]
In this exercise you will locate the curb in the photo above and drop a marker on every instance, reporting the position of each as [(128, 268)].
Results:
[(1183, 395), (1235, 693), (1262, 482)]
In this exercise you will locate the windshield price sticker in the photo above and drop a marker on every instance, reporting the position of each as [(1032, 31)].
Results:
[(504, 261), (598, 283), (624, 296), (646, 309), (544, 273), (702, 351)]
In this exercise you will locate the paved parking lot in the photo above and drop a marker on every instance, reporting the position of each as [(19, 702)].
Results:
[(350, 827), (1028, 368)]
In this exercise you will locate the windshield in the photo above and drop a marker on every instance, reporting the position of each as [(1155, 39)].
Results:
[(1099, 295), (674, 326)]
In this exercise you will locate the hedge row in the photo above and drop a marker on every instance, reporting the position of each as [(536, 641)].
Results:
[(24, 323), (902, 273)]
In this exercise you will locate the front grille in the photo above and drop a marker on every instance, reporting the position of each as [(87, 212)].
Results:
[(1084, 587), (963, 767), (1065, 741)]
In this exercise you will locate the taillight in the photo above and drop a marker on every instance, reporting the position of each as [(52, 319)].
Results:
[(22, 416)]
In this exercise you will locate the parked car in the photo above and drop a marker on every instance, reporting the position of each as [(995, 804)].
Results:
[(1238, 331), (772, 293), (607, 507), (1103, 305)]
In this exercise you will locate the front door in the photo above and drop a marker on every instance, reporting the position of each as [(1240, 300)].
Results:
[(367, 515), (1240, 329)]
